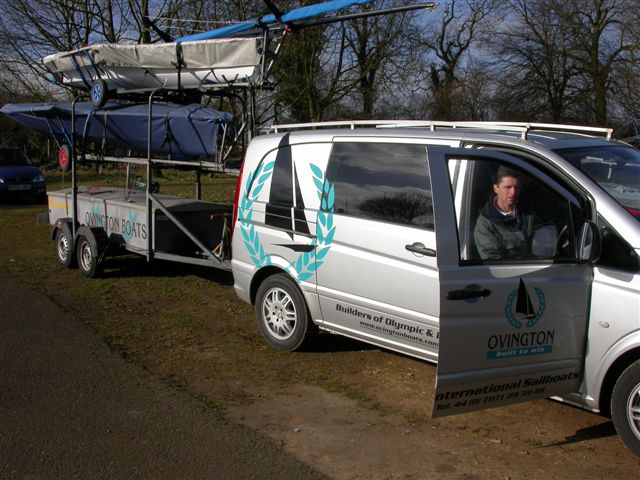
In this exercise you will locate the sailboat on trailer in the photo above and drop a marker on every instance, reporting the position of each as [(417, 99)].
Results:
[(225, 56)]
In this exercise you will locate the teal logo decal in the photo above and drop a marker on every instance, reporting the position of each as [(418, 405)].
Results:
[(303, 267), (524, 309), (96, 215), (521, 312)]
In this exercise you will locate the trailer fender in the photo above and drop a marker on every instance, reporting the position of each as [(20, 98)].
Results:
[(58, 225)]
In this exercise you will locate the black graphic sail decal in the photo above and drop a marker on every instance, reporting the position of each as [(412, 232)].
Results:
[(523, 304), (301, 225), (298, 247), (278, 210)]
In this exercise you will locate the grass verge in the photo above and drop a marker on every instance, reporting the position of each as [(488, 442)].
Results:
[(185, 323)]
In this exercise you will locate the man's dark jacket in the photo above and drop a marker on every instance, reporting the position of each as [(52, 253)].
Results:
[(498, 236)]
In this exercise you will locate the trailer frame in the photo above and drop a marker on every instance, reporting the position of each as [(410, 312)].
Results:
[(155, 206)]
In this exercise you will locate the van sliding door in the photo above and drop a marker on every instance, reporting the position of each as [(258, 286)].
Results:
[(513, 299)]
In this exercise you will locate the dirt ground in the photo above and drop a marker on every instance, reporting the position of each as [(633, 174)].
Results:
[(345, 408), (542, 439)]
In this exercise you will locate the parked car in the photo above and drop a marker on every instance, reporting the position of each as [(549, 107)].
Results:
[(19, 176)]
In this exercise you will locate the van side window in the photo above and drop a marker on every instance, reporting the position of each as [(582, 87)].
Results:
[(382, 181), (504, 214)]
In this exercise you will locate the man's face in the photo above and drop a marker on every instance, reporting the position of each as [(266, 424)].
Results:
[(507, 193)]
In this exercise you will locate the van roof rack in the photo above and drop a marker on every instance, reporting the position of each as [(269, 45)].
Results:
[(523, 128)]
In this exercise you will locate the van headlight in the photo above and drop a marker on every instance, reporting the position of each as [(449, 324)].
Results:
[(38, 179)]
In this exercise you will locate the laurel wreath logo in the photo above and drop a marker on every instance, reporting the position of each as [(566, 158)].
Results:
[(511, 317), (307, 263), (245, 214)]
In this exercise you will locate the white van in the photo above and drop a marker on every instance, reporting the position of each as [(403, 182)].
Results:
[(374, 233)]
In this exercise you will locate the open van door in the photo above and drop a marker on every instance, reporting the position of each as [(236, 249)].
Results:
[(512, 328)]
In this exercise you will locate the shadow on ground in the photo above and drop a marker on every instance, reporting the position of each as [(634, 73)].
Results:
[(130, 266), (594, 432)]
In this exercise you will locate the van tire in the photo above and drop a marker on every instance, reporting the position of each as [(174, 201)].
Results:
[(625, 407), (89, 249), (282, 314), (64, 246)]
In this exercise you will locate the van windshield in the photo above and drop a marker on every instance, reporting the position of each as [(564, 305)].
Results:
[(12, 157), (615, 168)]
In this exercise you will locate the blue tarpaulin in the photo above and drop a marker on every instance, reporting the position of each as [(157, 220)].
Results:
[(294, 15), (178, 131)]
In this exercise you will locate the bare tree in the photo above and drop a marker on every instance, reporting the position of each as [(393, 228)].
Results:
[(311, 73), (30, 29), (459, 28), (379, 46), (534, 52), (351, 69), (107, 25), (475, 92), (602, 47)]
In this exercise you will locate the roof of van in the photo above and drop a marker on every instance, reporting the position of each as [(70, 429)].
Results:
[(557, 141), (554, 140)]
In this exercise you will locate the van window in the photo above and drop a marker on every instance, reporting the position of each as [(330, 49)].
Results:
[(505, 214), (382, 181), (616, 168)]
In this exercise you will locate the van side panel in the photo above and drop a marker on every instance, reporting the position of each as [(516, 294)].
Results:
[(371, 286), (278, 207)]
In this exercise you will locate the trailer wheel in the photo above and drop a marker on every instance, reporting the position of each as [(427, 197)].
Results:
[(625, 407), (282, 314), (64, 246), (64, 158), (89, 249), (98, 93)]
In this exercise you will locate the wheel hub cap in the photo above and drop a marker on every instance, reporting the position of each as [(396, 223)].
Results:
[(279, 313), (633, 410), (63, 248), (85, 256)]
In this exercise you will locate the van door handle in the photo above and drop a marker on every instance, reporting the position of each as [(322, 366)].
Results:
[(470, 291), (421, 249)]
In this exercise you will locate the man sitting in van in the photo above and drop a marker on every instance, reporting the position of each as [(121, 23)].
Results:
[(503, 230)]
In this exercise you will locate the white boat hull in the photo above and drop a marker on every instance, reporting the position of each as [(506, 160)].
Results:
[(149, 66)]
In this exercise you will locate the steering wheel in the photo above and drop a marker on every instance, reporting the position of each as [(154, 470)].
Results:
[(564, 240)]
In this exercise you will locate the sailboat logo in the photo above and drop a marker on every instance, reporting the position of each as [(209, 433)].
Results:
[(519, 306)]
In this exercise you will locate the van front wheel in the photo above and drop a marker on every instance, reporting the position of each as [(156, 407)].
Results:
[(625, 407), (282, 314)]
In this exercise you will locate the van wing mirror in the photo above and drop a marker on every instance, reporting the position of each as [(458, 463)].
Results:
[(589, 242)]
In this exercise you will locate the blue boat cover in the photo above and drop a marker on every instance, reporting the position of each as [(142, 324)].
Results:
[(294, 15), (179, 131)]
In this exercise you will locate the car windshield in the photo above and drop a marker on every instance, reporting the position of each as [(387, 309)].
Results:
[(615, 168), (13, 157)]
